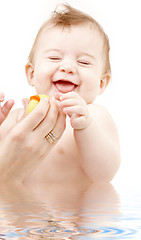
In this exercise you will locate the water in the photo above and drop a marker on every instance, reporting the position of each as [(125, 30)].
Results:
[(69, 212)]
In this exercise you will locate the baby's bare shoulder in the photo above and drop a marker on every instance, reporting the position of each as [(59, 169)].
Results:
[(104, 120), (101, 113)]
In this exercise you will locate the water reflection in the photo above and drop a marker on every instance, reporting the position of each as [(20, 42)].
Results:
[(59, 212)]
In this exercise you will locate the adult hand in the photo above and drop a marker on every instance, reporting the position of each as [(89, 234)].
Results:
[(25, 146), (5, 109)]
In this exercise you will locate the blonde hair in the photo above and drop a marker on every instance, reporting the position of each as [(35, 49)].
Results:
[(67, 17)]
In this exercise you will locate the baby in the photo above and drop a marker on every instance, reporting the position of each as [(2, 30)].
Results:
[(67, 138)]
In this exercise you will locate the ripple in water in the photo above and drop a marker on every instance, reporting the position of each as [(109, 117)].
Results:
[(58, 233), (119, 233), (104, 233)]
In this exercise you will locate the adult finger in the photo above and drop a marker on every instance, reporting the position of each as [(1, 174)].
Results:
[(58, 129), (49, 121), (60, 124), (36, 116)]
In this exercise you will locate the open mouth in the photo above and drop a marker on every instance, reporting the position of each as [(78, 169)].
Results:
[(64, 86)]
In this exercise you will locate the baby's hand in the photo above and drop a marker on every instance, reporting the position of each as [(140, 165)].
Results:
[(76, 108), (5, 109)]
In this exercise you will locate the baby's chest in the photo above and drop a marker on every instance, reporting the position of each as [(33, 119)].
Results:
[(61, 164), (63, 160)]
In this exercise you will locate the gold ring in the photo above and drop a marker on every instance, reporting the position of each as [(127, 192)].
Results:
[(51, 137)]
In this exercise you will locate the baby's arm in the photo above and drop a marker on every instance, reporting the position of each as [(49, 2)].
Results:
[(96, 137), (5, 109)]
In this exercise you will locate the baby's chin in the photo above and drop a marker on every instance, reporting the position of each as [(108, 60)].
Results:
[(90, 102)]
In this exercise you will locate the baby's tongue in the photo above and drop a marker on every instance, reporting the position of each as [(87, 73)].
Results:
[(64, 86)]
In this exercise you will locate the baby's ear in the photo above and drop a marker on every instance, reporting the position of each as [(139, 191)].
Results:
[(104, 82), (29, 70)]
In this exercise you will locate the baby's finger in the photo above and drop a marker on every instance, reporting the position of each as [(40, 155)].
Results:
[(71, 102), (69, 95), (57, 95), (79, 110), (7, 107), (25, 102), (1, 96)]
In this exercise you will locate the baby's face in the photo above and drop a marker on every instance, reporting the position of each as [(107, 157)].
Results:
[(69, 60)]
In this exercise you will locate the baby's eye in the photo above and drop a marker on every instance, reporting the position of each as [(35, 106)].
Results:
[(84, 62), (55, 58)]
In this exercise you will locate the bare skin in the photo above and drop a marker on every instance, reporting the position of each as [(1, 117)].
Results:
[(68, 66), (80, 162), (63, 164), (5, 109), (23, 143)]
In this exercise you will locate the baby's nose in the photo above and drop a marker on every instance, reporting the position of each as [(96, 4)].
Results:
[(67, 68)]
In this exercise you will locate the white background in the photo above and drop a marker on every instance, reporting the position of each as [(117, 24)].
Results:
[(121, 20)]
